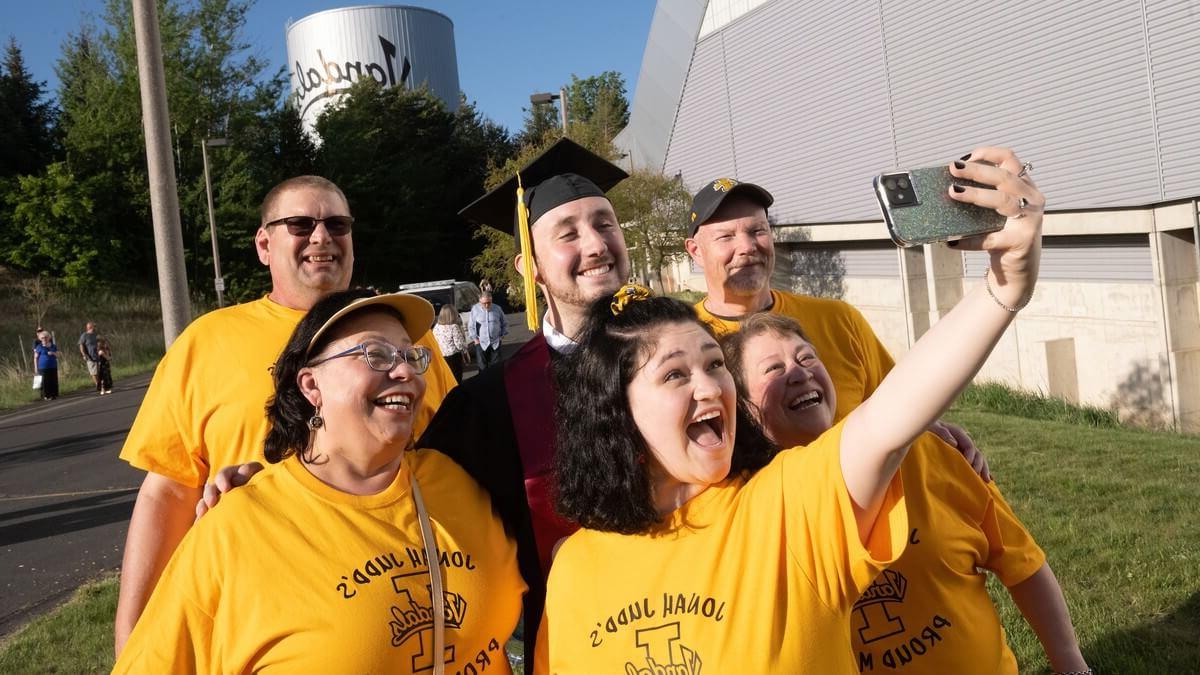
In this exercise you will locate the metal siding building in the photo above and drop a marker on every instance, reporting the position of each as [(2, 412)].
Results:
[(818, 97), (812, 98), (392, 44)]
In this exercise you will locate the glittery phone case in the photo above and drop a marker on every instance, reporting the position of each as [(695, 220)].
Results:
[(935, 216)]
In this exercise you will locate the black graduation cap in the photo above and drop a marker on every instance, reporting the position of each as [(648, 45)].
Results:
[(566, 171)]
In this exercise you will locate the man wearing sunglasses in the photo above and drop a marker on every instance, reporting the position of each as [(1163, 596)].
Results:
[(205, 408)]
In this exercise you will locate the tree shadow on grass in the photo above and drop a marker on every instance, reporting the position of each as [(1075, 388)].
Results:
[(1170, 644)]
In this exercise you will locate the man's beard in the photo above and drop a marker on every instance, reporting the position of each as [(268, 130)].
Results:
[(574, 296), (750, 279)]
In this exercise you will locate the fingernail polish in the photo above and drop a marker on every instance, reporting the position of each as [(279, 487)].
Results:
[(958, 188), (960, 165), (965, 157)]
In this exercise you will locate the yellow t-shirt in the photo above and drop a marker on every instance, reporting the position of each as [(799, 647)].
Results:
[(289, 575), (750, 576), (857, 362), (205, 408), (930, 612)]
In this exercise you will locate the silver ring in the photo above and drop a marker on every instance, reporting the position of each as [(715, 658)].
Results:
[(1026, 168), (1021, 204)]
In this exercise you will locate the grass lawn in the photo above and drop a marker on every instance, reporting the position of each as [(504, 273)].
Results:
[(75, 639), (1115, 510), (1113, 507)]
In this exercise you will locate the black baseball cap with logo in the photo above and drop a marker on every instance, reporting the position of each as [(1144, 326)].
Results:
[(709, 199)]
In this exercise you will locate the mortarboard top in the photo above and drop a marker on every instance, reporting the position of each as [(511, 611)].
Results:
[(566, 171)]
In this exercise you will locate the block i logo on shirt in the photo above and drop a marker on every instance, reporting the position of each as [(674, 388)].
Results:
[(663, 654), (412, 617)]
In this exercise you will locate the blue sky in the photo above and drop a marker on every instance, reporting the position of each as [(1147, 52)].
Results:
[(507, 49)]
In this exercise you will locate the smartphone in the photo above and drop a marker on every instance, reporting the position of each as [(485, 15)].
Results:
[(918, 209)]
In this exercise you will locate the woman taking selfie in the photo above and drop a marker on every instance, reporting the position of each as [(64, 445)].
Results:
[(700, 548), (323, 563)]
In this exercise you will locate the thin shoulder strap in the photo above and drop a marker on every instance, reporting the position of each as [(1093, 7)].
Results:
[(435, 579)]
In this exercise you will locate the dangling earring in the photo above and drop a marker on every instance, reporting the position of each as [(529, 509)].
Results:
[(316, 421)]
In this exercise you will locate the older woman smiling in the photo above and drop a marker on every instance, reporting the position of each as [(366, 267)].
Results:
[(350, 553)]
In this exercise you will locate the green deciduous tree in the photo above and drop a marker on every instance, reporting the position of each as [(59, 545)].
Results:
[(653, 209), (215, 87), (598, 103), (540, 121), (54, 213)]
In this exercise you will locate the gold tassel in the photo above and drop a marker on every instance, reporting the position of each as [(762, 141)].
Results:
[(531, 317)]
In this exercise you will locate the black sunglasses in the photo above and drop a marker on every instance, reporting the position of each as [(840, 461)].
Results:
[(303, 226)]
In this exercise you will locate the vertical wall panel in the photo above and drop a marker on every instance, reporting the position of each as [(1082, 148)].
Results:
[(1063, 83), (809, 103), (1106, 258), (660, 82), (1173, 30), (701, 143)]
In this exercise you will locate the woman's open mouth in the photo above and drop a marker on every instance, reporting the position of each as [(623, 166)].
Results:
[(708, 430), (398, 402), (806, 400)]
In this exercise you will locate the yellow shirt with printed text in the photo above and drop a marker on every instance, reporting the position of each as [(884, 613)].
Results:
[(753, 575), (930, 611), (857, 362), (205, 408), (288, 575)]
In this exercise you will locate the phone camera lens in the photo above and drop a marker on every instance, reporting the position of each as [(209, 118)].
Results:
[(889, 183), (903, 183)]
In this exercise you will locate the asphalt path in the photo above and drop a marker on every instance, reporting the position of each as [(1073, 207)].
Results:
[(66, 497)]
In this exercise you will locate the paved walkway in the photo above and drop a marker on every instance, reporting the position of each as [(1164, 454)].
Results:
[(65, 497)]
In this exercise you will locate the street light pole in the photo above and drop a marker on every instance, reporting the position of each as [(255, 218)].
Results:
[(218, 280), (562, 107), (544, 98)]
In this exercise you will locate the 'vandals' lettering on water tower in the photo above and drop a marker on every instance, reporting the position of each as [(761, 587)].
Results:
[(334, 77)]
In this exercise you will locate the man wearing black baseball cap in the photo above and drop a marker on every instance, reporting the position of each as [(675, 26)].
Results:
[(729, 237), (499, 425)]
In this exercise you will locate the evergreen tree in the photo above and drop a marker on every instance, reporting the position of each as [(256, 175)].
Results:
[(27, 134)]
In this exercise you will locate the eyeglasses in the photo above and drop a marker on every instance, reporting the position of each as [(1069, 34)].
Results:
[(382, 356), (303, 226)]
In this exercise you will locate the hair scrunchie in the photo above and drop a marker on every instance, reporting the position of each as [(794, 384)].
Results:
[(628, 293)]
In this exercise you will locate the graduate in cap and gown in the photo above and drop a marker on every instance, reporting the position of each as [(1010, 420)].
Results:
[(499, 425)]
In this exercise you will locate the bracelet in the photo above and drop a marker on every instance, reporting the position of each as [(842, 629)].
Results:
[(1088, 671), (1013, 310)]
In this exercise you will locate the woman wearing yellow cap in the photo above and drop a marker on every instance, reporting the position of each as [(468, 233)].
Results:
[(349, 553)]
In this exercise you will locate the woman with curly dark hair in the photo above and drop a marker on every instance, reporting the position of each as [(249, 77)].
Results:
[(349, 553), (702, 550)]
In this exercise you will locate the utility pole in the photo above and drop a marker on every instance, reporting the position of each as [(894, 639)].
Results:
[(164, 200), (218, 280)]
